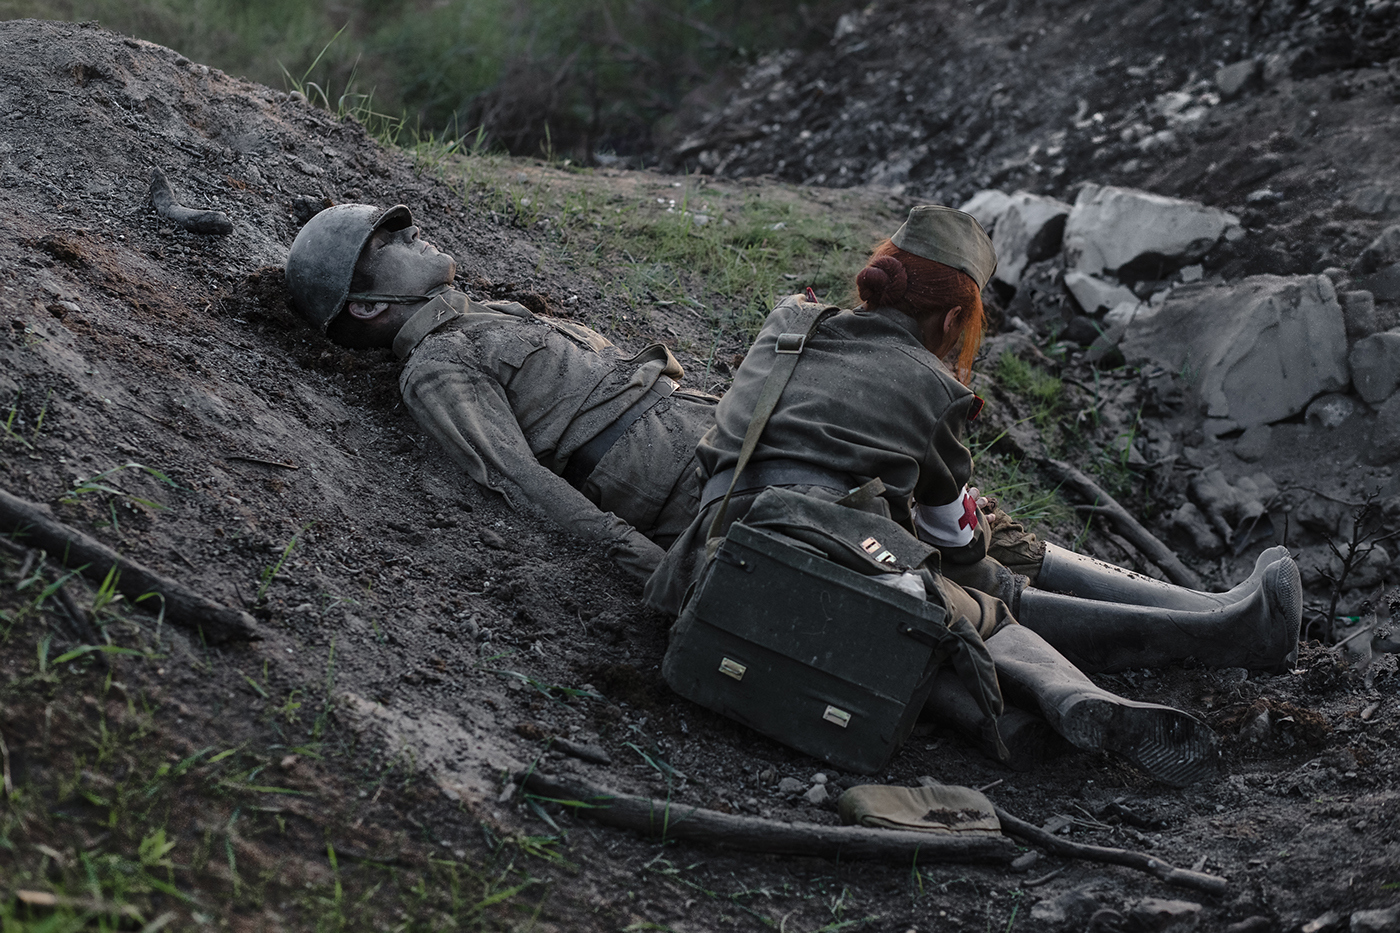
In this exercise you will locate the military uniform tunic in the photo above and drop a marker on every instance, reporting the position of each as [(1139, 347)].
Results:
[(512, 396), (866, 400)]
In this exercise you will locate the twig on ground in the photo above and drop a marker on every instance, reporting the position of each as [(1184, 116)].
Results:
[(5, 761), (661, 819), (1145, 541), (1043, 879), (162, 198), (183, 606), (1028, 832)]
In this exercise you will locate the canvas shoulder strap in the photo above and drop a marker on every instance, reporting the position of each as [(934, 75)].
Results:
[(788, 348)]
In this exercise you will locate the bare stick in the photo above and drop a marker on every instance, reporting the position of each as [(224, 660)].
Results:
[(37, 527), (1200, 881), (660, 819), (261, 461), (1145, 541), (163, 200)]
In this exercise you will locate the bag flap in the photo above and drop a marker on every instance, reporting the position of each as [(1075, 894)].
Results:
[(860, 541)]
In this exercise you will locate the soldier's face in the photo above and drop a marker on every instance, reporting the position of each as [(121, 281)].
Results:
[(400, 262)]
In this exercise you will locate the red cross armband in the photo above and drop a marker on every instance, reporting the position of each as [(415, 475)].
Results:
[(950, 525)]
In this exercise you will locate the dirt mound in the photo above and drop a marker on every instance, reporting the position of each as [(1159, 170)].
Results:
[(423, 624), (1206, 100)]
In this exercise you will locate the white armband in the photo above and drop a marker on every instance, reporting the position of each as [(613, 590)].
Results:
[(948, 525)]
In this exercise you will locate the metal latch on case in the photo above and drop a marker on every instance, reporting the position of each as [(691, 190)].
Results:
[(838, 716), (732, 669)]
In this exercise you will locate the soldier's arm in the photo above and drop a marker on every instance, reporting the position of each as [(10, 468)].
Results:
[(469, 415)]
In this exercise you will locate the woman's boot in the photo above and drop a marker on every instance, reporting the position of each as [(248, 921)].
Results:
[(1258, 631), (1172, 746), (1027, 737), (1063, 571)]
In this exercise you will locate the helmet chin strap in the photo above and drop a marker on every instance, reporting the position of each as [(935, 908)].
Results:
[(376, 297)]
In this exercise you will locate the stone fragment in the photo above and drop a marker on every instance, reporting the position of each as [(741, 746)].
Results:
[(1374, 200), (1158, 915), (1375, 366), (1030, 229), (1082, 330), (1330, 410), (1382, 251), (1255, 924), (1112, 228), (1359, 314), (987, 206), (1192, 273), (817, 795), (819, 778), (1384, 283), (1385, 920), (1123, 313), (1385, 436), (1071, 909), (789, 785), (1023, 862), (1323, 923), (1254, 352), (1190, 523), (1234, 80), (1094, 294), (1254, 443)]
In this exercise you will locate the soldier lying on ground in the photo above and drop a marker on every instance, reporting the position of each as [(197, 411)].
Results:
[(871, 398), (534, 408)]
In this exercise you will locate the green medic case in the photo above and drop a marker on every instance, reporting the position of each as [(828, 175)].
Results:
[(808, 652)]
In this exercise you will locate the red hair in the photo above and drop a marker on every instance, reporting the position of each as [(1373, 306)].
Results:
[(926, 291)]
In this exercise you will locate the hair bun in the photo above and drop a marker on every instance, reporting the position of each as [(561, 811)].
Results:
[(883, 282)]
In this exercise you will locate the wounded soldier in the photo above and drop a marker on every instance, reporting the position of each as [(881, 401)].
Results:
[(534, 408)]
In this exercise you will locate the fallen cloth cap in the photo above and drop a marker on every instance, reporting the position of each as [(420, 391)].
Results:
[(946, 809), (951, 237)]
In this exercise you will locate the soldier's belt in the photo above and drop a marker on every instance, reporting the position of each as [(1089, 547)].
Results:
[(761, 474), (585, 460)]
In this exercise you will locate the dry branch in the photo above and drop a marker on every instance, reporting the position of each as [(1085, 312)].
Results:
[(1145, 541), (36, 527), (162, 198), (658, 819), (1200, 881)]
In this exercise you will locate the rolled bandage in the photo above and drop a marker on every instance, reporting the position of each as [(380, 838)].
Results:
[(948, 525)]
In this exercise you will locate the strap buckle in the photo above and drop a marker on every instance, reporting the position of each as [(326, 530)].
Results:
[(790, 343)]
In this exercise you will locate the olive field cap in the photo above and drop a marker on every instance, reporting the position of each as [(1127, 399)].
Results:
[(322, 260), (951, 237)]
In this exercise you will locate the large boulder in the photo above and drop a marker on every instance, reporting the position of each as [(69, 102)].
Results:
[(1029, 229), (1375, 366), (1112, 229), (1253, 352), (987, 206)]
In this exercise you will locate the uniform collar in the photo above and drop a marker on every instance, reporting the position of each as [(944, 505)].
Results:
[(445, 307)]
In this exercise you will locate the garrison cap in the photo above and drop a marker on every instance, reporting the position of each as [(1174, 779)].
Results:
[(951, 237)]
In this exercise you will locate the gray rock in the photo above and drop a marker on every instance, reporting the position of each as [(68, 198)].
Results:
[(1382, 251), (1158, 915), (819, 778), (1029, 229), (1359, 314), (817, 795), (1253, 352), (1254, 443), (1255, 924), (1122, 314), (1190, 523), (1386, 920), (1323, 923), (1373, 200), (987, 206), (1082, 330), (1234, 80), (1073, 909), (1109, 227), (1375, 366), (1094, 294), (1330, 410), (1384, 283), (1385, 436), (789, 785)]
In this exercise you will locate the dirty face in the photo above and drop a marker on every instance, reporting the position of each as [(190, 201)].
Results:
[(400, 262)]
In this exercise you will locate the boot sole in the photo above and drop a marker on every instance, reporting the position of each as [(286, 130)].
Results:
[(1171, 746)]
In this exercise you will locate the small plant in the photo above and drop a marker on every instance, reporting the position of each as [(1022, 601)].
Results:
[(1365, 537), (270, 573)]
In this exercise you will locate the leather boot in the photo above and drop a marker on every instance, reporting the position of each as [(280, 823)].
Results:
[(1258, 631), (1027, 737), (1172, 746), (1063, 571)]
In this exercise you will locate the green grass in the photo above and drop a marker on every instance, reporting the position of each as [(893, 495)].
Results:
[(1041, 390)]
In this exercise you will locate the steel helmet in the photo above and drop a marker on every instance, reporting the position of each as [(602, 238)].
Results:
[(323, 256)]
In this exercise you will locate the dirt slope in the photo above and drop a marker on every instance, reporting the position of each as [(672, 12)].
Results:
[(451, 616)]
